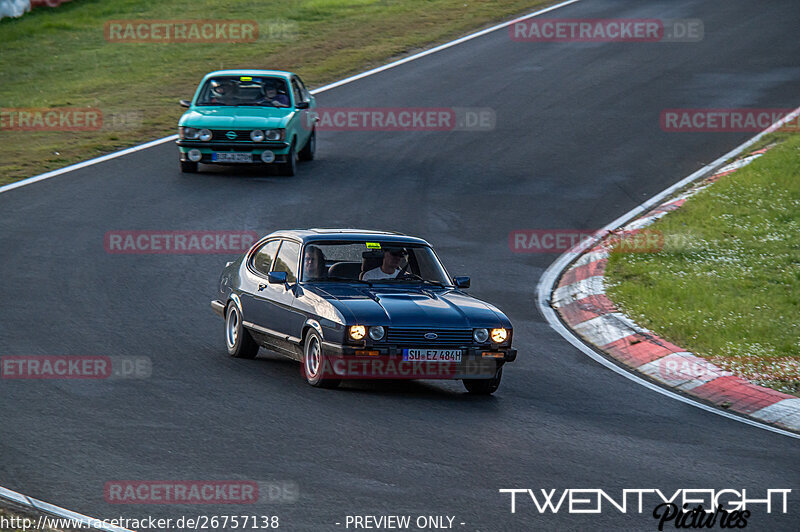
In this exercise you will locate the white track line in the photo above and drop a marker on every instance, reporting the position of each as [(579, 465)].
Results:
[(27, 501), (551, 275), (330, 86)]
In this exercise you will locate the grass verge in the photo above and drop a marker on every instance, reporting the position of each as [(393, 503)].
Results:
[(61, 58), (726, 284)]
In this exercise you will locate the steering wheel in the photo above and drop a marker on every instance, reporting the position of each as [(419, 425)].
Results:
[(403, 274)]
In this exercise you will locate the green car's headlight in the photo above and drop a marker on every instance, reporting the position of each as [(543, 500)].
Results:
[(189, 133), (275, 134), (257, 135), (205, 135)]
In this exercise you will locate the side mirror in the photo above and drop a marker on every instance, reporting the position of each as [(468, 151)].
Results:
[(276, 277), (461, 282), (186, 103), (302, 105)]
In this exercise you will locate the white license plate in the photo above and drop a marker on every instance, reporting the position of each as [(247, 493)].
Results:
[(432, 355), (232, 157)]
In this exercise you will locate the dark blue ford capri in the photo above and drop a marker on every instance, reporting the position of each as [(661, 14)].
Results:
[(355, 304)]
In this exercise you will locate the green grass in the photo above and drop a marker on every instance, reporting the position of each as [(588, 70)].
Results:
[(726, 285), (60, 57)]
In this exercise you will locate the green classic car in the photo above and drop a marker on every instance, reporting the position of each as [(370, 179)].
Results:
[(263, 117)]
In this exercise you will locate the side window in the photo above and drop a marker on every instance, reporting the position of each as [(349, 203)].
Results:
[(303, 89), (298, 95), (287, 260), (262, 259)]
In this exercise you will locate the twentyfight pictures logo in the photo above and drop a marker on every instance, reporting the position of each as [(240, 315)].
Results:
[(684, 508), (576, 240), (607, 30), (401, 119), (178, 242), (70, 367)]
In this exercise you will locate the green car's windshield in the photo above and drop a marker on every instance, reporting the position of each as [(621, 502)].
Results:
[(245, 90), (373, 262)]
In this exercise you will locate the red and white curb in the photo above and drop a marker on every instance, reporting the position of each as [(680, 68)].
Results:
[(576, 290)]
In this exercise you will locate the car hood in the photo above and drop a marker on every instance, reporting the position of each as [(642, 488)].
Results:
[(411, 306), (223, 117)]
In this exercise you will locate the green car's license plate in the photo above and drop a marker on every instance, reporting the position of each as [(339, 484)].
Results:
[(232, 157)]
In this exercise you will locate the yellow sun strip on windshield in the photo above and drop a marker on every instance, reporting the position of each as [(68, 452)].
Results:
[(245, 78), (373, 245)]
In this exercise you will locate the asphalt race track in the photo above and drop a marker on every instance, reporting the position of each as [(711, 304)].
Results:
[(577, 143)]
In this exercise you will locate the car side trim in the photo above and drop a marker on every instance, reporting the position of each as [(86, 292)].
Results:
[(271, 332), (218, 307)]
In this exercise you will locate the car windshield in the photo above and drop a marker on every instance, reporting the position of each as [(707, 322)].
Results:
[(371, 262), (245, 90)]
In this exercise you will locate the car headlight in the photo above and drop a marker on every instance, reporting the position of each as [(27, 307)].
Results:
[(257, 135), (189, 133), (499, 335), (480, 335), (205, 135), (376, 332), (275, 134), (357, 332)]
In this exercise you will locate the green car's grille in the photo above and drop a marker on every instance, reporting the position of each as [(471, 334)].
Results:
[(230, 135)]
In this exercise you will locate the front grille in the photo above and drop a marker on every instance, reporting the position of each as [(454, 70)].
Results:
[(416, 336), (221, 135)]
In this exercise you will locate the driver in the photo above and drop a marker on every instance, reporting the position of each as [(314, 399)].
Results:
[(314, 264), (390, 267), (223, 92), (272, 97)]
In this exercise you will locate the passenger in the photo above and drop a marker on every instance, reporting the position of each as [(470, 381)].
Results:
[(272, 97), (392, 257)]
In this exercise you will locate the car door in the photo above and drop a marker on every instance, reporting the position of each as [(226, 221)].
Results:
[(304, 122), (257, 292), (282, 310)]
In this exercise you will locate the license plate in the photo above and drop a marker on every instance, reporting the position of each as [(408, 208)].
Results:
[(232, 157), (432, 355)]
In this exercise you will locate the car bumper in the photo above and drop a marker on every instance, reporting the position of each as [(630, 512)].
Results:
[(207, 149), (387, 362)]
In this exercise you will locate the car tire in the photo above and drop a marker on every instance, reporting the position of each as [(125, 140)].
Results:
[(237, 339), (290, 166), (314, 362), (189, 167), (484, 386), (308, 151)]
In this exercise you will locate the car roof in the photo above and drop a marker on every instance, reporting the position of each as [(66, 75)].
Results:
[(249, 72), (317, 234)]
